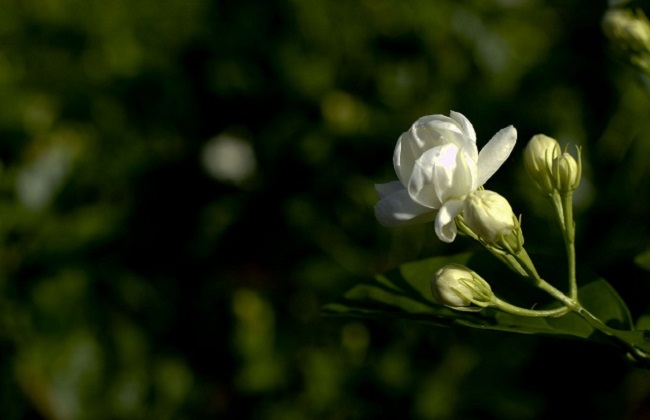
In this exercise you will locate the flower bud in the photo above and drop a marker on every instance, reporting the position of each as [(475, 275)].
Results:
[(629, 33), (631, 30), (538, 155), (489, 215), (460, 288), (566, 172)]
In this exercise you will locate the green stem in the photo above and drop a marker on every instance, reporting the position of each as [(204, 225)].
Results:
[(557, 203), (521, 262), (507, 259), (640, 353), (563, 203), (516, 310), (620, 337), (524, 261), (569, 233)]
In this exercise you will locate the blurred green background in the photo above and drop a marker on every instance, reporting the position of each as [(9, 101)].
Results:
[(185, 183)]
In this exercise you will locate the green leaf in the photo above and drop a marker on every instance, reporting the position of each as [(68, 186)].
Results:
[(643, 323), (405, 293), (600, 298)]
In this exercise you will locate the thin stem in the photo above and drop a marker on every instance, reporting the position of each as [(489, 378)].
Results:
[(524, 260), (618, 336), (563, 203), (557, 203), (516, 310), (520, 262), (569, 232), (507, 259)]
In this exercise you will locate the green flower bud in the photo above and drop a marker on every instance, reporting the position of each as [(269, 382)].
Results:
[(538, 156), (460, 288), (566, 172)]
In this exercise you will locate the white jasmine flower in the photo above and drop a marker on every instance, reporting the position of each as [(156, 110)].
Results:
[(438, 163)]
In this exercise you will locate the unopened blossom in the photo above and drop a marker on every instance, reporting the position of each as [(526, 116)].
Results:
[(460, 288), (489, 215), (630, 29), (438, 163), (538, 158), (566, 172), (629, 33)]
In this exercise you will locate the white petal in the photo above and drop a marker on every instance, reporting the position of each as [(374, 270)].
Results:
[(468, 128), (440, 174), (461, 180), (423, 184), (439, 121), (425, 135), (403, 158), (388, 188), (438, 130), (445, 224), (444, 172), (398, 209), (494, 153)]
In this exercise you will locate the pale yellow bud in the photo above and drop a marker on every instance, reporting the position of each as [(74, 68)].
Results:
[(489, 215), (630, 30), (460, 288), (629, 33), (538, 157), (566, 172)]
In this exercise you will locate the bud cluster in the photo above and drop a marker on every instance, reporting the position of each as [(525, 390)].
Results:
[(551, 169)]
